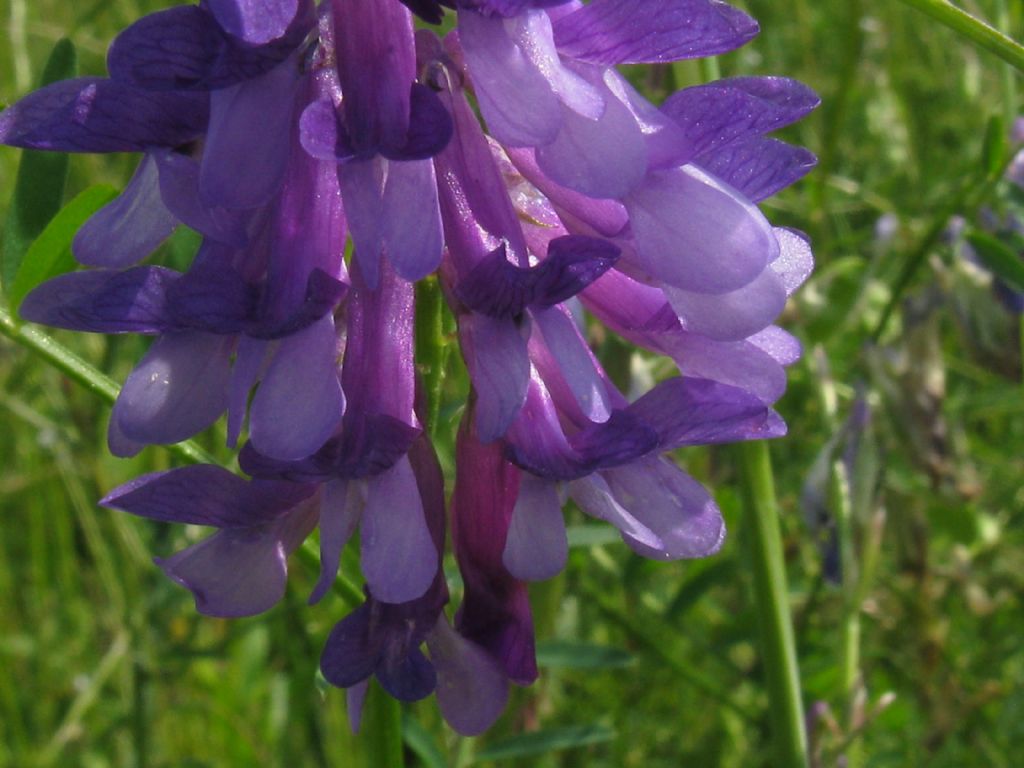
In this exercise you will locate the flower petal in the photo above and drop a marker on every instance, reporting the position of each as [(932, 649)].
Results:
[(536, 547), (496, 355)]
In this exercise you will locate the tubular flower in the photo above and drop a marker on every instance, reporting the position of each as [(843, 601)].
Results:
[(281, 132)]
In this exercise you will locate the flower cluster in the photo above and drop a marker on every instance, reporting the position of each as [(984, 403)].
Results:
[(281, 131)]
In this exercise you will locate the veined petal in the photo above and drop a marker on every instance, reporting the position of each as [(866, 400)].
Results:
[(611, 32), (758, 167)]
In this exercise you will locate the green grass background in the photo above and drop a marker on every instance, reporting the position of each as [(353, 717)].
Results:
[(103, 662)]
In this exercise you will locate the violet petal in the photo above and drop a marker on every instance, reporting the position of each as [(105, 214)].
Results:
[(536, 547)]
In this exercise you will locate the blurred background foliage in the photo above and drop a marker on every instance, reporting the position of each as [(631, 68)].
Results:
[(899, 482)]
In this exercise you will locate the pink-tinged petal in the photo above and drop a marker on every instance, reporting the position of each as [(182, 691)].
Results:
[(785, 348), (299, 402), (646, 31), (248, 363), (496, 355), (536, 547), (695, 234), (254, 21), (179, 190), (670, 504), (341, 507), (129, 228), (245, 153), (398, 555), (471, 689), (731, 316), (412, 235), (178, 389), (516, 100), (601, 158), (90, 114), (574, 362), (759, 167), (795, 261)]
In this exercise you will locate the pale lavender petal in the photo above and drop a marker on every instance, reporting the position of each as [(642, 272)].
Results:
[(639, 31), (671, 504), (471, 689), (245, 153), (517, 102), (340, 510), (795, 261), (254, 21), (696, 234), (781, 345), (130, 227), (412, 235), (602, 158), (362, 190), (576, 364), (178, 389), (759, 167), (737, 363), (594, 497), (398, 555), (731, 316), (495, 352), (205, 494), (299, 402), (236, 572), (244, 373), (536, 547), (91, 114)]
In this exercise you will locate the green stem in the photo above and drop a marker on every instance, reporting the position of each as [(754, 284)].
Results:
[(432, 349), (381, 730), (778, 648), (81, 372), (975, 30)]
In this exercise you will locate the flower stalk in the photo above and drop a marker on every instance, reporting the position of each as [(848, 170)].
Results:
[(778, 648), (975, 30)]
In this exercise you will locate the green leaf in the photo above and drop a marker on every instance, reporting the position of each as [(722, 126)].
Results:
[(421, 743), (557, 654), (996, 149), (997, 256), (977, 31), (39, 186), (50, 254), (542, 742)]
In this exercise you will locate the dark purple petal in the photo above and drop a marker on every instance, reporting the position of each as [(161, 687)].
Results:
[(254, 21), (430, 127), (120, 445), (350, 655), (91, 114), (399, 558), (536, 547), (323, 294), (500, 289), (611, 32), (129, 228), (701, 412), (471, 690), (211, 296), (428, 10), (696, 234), (178, 389), (249, 358), (758, 167), (499, 366), (299, 402), (407, 677), (104, 301), (179, 190), (245, 153), (205, 494), (718, 114)]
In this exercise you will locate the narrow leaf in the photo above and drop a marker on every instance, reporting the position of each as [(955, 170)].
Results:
[(542, 742), (50, 253), (1005, 263), (559, 654), (39, 186)]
